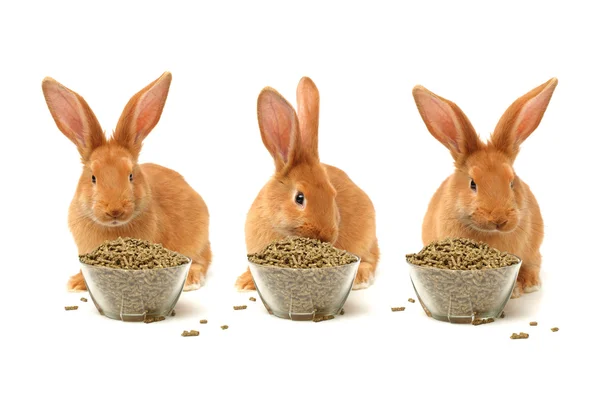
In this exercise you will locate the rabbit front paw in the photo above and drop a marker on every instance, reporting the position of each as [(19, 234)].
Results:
[(195, 278), (245, 282), (364, 276), (76, 283)]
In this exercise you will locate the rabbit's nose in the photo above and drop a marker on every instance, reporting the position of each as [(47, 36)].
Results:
[(114, 213)]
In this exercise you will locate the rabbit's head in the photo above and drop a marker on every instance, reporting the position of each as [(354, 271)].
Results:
[(484, 189), (301, 198), (112, 189)]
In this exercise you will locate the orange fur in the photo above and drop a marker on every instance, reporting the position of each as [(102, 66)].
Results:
[(336, 210), (504, 216), (124, 198)]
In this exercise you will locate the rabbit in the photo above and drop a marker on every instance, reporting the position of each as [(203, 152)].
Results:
[(305, 197), (116, 196), (484, 199)]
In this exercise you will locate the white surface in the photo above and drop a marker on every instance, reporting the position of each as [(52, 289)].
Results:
[(365, 59)]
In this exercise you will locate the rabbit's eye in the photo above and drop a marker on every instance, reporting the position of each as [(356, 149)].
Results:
[(300, 198), (512, 184), (131, 177), (93, 179), (473, 186)]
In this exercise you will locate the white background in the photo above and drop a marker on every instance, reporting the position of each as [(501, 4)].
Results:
[(365, 58)]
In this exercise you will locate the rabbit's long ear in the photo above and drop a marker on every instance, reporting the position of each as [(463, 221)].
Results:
[(73, 116), (522, 118), (447, 123), (279, 129), (142, 113), (307, 97)]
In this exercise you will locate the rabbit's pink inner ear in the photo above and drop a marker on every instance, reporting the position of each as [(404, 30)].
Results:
[(522, 118), (532, 112), (67, 111), (277, 122), (150, 106), (438, 117)]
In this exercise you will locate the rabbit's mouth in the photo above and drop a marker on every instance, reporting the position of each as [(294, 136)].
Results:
[(115, 223), (492, 227), (492, 221)]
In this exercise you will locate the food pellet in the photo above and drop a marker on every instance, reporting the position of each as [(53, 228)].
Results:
[(242, 307), (306, 290), (190, 333), (533, 323), (173, 313), (555, 329), (323, 318), (252, 299), (342, 312), (481, 321), (521, 335), (398, 308), (224, 327), (474, 276), (411, 300), (204, 321), (126, 270), (83, 299), (71, 307), (157, 318), (502, 315)]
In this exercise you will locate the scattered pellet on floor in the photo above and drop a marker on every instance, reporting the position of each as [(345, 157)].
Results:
[(224, 327), (204, 321), (521, 335), (398, 308), (157, 318), (173, 313), (555, 329), (533, 323), (71, 307), (411, 300), (190, 333), (242, 307), (502, 315), (252, 299), (83, 299), (342, 312)]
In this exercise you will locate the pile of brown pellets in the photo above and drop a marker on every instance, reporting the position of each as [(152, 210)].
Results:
[(134, 278), (133, 254), (321, 278), (461, 254), (301, 253)]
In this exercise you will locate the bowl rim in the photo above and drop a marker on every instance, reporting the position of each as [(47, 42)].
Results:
[(518, 264), (268, 267), (188, 263)]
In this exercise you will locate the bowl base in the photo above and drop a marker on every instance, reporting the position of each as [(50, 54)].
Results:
[(131, 317), (461, 319), (300, 316)]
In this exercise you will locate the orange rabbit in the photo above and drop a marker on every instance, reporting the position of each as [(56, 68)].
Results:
[(484, 199), (116, 196), (305, 197)]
